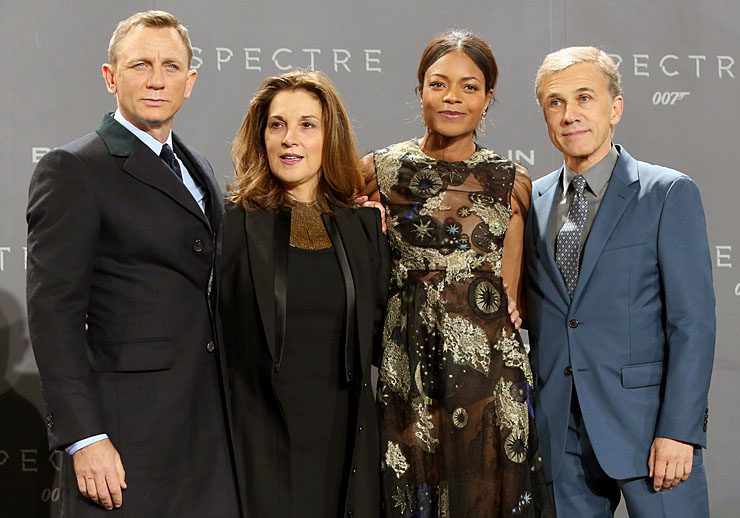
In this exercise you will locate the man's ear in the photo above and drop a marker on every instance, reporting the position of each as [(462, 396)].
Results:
[(189, 82), (617, 108), (109, 77)]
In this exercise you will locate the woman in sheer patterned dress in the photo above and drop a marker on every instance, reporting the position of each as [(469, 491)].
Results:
[(457, 428)]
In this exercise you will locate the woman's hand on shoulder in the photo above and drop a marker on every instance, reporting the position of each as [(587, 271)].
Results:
[(364, 201)]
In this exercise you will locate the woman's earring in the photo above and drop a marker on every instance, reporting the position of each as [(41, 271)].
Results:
[(482, 125)]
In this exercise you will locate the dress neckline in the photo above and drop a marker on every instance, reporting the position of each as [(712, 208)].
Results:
[(478, 148)]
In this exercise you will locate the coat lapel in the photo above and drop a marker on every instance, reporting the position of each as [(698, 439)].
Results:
[(542, 205), (340, 231), (259, 226), (623, 186), (144, 165)]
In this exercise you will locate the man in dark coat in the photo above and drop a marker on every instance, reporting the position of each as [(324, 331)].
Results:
[(122, 233)]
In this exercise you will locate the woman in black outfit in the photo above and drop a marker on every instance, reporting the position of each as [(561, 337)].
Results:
[(302, 293)]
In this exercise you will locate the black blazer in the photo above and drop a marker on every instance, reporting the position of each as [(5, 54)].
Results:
[(116, 241), (252, 309)]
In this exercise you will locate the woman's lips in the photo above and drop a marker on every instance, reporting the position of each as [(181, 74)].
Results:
[(451, 114), (290, 158)]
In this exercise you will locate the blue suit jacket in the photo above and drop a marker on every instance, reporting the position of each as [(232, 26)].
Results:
[(639, 333)]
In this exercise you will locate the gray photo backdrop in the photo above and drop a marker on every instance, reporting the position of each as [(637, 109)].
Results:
[(679, 59)]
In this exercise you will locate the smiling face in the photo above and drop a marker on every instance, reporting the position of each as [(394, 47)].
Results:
[(453, 96), (294, 140), (150, 78), (580, 114)]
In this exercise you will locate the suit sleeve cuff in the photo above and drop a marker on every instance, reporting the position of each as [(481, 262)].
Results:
[(77, 446)]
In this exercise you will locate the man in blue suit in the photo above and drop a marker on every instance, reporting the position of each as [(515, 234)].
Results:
[(621, 309)]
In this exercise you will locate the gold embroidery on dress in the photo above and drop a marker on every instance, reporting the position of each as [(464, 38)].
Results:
[(425, 183), (516, 447), (434, 203), (497, 217), (467, 342), (394, 366), (458, 265), (395, 459), (444, 501), (424, 426), (387, 163), (460, 417), (432, 306), (513, 354), (404, 498), (510, 413)]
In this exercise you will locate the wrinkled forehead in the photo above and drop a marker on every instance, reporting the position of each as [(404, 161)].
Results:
[(580, 77)]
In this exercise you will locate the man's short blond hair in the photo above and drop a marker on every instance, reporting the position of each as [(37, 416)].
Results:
[(567, 57), (159, 19)]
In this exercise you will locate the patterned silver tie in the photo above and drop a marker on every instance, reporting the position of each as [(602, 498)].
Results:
[(568, 247)]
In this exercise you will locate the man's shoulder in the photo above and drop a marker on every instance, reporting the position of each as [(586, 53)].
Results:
[(83, 144), (655, 174), (85, 149)]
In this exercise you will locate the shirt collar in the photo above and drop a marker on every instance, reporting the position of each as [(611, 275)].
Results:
[(597, 177), (152, 143)]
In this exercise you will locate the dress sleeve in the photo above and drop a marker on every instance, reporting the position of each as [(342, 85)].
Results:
[(512, 263)]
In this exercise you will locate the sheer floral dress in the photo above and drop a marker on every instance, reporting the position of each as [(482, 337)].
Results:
[(457, 430)]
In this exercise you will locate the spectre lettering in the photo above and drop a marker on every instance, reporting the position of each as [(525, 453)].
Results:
[(284, 59), (671, 64)]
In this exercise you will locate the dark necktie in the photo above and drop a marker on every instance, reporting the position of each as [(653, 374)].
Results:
[(169, 158), (568, 248)]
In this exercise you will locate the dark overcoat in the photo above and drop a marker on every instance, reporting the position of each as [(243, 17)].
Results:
[(117, 243)]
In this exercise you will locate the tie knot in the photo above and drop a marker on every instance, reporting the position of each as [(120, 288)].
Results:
[(167, 154), (578, 183)]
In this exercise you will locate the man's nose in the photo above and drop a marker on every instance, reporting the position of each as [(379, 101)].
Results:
[(156, 79), (571, 114)]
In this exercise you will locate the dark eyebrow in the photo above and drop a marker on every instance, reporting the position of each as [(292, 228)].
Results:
[(466, 78)]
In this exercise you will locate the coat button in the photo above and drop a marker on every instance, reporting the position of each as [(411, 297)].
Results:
[(350, 514), (706, 419), (573, 323), (210, 346), (198, 245), (350, 375), (568, 371)]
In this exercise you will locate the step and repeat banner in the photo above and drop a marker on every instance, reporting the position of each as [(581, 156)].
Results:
[(679, 60)]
